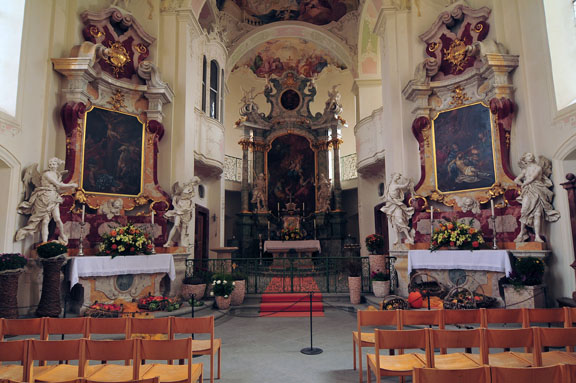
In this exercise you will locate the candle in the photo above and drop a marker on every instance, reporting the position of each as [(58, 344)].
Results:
[(268, 225), (492, 206), (302, 207), (431, 214), (278, 208), (83, 212), (152, 217)]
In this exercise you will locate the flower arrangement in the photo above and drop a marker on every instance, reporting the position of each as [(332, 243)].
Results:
[(291, 234), (222, 285), (457, 234), (51, 249), (379, 276), (374, 243), (527, 271), (155, 303), (125, 240), (12, 261)]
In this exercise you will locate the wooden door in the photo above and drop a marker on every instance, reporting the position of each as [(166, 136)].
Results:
[(201, 234)]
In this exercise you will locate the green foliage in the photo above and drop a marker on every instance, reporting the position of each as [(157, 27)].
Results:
[(379, 276), (222, 285), (12, 261), (51, 249), (374, 243), (200, 276), (528, 271)]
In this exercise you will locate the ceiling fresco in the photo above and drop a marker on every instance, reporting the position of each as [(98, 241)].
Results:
[(318, 12), (275, 57)]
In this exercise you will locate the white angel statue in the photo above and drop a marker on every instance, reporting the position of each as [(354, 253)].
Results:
[(398, 213), (535, 196), (182, 214), (43, 203)]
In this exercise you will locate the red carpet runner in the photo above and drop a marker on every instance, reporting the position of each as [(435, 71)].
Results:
[(276, 304)]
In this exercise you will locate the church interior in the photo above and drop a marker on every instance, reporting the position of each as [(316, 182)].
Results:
[(295, 142)]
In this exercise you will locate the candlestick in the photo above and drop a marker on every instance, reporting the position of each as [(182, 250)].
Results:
[(493, 219), (278, 209), (268, 230), (80, 244), (492, 207), (83, 211), (152, 216), (431, 222), (314, 228), (302, 208)]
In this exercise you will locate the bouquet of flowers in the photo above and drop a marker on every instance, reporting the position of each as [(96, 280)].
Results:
[(222, 285), (291, 234), (456, 234), (374, 243), (125, 240)]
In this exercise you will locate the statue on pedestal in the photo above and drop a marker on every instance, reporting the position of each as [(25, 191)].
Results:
[(43, 203), (398, 213), (182, 214), (535, 196), (259, 193), (324, 194)]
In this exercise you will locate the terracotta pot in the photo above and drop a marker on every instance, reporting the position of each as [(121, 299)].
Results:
[(223, 303), (377, 263), (355, 288), (9, 294), (238, 293), (381, 288), (187, 291)]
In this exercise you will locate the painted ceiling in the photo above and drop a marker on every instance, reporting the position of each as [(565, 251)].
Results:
[(318, 12), (274, 57)]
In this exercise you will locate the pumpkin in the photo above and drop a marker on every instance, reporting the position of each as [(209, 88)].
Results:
[(415, 299)]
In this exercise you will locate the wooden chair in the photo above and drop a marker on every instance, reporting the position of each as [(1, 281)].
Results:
[(556, 337), (462, 317), (545, 317), (503, 316), (65, 326), (24, 327), (396, 365), (14, 351), (55, 351), (570, 373), (361, 338), (170, 350), (452, 339), (107, 350), (550, 374), (422, 318), (200, 325), (147, 328), (570, 315), (466, 375), (155, 379), (506, 339), (108, 326)]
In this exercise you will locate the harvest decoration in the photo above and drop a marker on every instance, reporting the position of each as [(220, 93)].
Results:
[(291, 234), (156, 303), (125, 240), (457, 234)]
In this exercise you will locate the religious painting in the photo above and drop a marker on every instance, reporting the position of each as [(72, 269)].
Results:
[(291, 173), (463, 149), (113, 153)]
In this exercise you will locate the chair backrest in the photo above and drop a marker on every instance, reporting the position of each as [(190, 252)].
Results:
[(104, 350), (503, 316), (148, 326), (399, 340), (108, 326), (527, 375), (555, 337), (447, 339), (51, 350), (65, 326), (570, 315), (191, 326), (31, 326), (466, 375), (375, 318), (14, 351), (463, 317), (545, 317), (509, 338), (570, 373), (153, 349), (421, 318)]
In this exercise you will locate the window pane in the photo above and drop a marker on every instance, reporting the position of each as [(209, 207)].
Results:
[(11, 21), (204, 84), (213, 104)]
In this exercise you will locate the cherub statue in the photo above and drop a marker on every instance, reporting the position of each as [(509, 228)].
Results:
[(468, 204), (112, 208), (43, 202), (324, 194), (334, 96), (182, 214), (259, 193), (398, 213), (535, 196)]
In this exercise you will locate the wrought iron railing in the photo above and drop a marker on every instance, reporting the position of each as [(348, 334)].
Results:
[(232, 168), (348, 168), (291, 274)]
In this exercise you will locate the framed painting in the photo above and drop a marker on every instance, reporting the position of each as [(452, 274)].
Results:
[(463, 149), (113, 155)]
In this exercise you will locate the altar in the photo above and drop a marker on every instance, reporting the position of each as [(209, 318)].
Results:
[(280, 249), (106, 279)]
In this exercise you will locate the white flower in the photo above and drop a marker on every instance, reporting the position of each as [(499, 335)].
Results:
[(224, 281), (218, 281), (233, 283), (211, 293), (225, 296), (213, 283)]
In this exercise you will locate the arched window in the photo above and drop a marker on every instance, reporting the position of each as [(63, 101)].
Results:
[(204, 71), (222, 97), (214, 89), (11, 21)]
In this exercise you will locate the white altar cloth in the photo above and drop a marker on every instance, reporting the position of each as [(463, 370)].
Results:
[(489, 260), (308, 245), (133, 264)]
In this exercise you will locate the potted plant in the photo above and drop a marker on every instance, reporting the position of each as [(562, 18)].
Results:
[(354, 267), (380, 283), (52, 257), (195, 285), (375, 243), (524, 288), (239, 291), (222, 287), (11, 266)]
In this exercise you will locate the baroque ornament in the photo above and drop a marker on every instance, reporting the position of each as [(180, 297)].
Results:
[(118, 57)]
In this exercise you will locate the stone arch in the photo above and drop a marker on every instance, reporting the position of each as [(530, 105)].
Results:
[(9, 177)]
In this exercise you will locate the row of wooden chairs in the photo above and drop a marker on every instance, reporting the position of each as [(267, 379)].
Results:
[(133, 352), (560, 373), (400, 319), (155, 379), (86, 327), (534, 341)]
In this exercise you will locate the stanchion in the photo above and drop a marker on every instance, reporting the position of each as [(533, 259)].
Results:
[(311, 350)]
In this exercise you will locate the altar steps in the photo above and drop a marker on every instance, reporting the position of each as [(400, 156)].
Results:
[(291, 305)]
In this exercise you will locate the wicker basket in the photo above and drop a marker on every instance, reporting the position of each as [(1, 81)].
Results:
[(394, 302), (426, 284), (459, 298)]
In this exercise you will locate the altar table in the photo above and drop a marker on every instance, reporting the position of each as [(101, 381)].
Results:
[(305, 246), (488, 260)]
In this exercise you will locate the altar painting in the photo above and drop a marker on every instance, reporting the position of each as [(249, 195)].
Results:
[(463, 149), (113, 153), (290, 164)]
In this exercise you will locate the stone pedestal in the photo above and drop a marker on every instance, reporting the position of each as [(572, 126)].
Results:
[(224, 255), (525, 297)]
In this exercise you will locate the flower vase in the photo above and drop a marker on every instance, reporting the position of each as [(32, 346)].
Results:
[(355, 289), (381, 288), (50, 301), (223, 303), (239, 292), (189, 291), (9, 293)]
